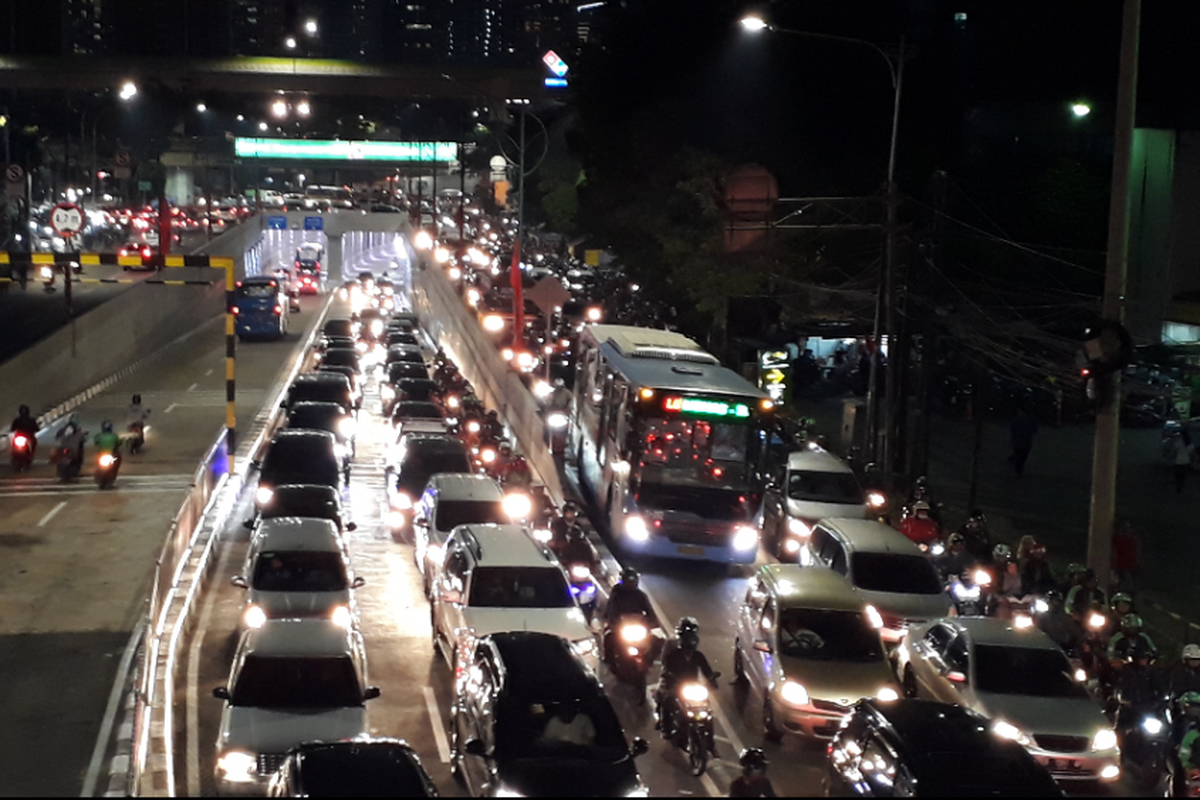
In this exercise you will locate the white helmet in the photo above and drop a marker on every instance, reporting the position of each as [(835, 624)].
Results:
[(1191, 652)]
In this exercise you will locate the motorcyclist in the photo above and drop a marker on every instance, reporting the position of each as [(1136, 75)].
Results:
[(683, 662), (627, 598), (978, 537), (920, 526), (1185, 677), (578, 550), (1084, 595), (1036, 574), (1123, 644), (26, 423), (753, 781), (493, 428), (1060, 626), (1138, 685), (72, 438), (135, 420), (1187, 756), (560, 528), (107, 440), (1120, 605), (560, 398), (957, 558), (1006, 576)]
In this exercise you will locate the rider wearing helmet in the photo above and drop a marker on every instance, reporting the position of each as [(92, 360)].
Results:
[(560, 528), (1130, 638), (753, 781), (1120, 605), (1188, 758), (1060, 626), (1084, 594), (626, 599), (26, 423), (72, 437), (978, 537), (107, 440), (957, 557), (683, 662), (1138, 685), (493, 428), (1186, 675), (578, 550), (920, 525)]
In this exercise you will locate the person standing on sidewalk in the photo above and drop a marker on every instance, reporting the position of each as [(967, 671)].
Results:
[(1023, 429), (1182, 454)]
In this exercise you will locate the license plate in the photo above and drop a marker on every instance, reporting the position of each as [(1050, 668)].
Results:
[(1063, 765), (690, 551)]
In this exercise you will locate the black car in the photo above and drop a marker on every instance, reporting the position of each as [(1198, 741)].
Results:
[(353, 768), (342, 357), (404, 352), (420, 456), (305, 500), (352, 375), (405, 318), (533, 720), (320, 387), (325, 416), (415, 409), (332, 342), (915, 748), (372, 324), (338, 327), (402, 337), (399, 370), (415, 390), (299, 456)]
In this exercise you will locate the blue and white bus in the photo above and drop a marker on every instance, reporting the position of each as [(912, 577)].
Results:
[(669, 444)]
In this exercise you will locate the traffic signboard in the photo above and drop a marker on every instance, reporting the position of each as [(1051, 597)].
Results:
[(67, 219), (121, 159), (314, 224), (548, 294), (775, 375), (277, 222), (14, 173)]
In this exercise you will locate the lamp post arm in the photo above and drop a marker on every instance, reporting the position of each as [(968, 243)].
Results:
[(895, 66)]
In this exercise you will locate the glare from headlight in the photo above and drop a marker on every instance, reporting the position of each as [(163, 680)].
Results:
[(346, 427), (254, 617), (635, 529), (1081, 675), (876, 499), (395, 519), (794, 694), (340, 616), (263, 495), (1152, 725), (798, 527), (585, 647), (1040, 606), (541, 390), (1110, 772), (634, 633), (982, 577), (1096, 621), (694, 693), (580, 573), (1105, 739), (402, 501), (745, 538), (237, 766), (493, 323), (887, 694), (556, 421), (873, 616), (542, 535), (487, 456), (441, 255), (792, 546), (376, 327), (518, 505), (1009, 731), (1022, 621), (422, 240)]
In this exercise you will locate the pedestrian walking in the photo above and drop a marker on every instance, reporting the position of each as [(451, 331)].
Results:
[(1183, 453), (1023, 429)]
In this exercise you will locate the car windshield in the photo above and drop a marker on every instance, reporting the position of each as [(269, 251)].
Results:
[(827, 636), (421, 463), (419, 390), (416, 410), (258, 290), (824, 487), (1034, 671), (584, 728), (299, 571), (301, 504), (894, 573), (300, 462), (401, 337), (452, 513), (297, 682), (333, 391), (403, 353), (519, 587)]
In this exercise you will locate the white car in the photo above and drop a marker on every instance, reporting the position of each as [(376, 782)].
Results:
[(496, 579), (450, 500), (292, 681), (297, 567), (1020, 679)]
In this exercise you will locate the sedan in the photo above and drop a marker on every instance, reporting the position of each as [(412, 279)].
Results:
[(1018, 677)]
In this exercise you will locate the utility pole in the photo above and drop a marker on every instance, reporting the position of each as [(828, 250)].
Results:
[(1107, 434), (889, 287)]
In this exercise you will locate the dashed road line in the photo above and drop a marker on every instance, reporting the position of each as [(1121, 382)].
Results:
[(439, 729), (51, 514)]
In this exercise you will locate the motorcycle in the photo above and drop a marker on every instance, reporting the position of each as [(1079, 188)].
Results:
[(138, 439), (1182, 782), (22, 451), (630, 648), (968, 594), (583, 587), (107, 466), (47, 275), (68, 462), (691, 726), (1146, 741)]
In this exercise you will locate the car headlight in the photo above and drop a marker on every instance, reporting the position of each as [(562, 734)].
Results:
[(254, 617), (641, 791), (694, 693), (585, 647), (633, 633), (237, 766), (745, 538), (493, 323), (635, 529), (887, 694), (798, 527), (504, 791), (395, 519), (791, 546), (340, 616), (1110, 772), (580, 573), (346, 427), (518, 505), (387, 392), (1105, 739), (264, 495), (873, 616), (1009, 731), (794, 694)]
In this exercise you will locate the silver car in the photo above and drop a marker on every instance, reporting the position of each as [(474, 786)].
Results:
[(1022, 681)]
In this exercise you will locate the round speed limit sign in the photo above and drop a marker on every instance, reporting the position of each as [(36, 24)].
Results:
[(67, 219)]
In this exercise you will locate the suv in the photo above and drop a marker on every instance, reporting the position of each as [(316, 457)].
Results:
[(417, 458), (297, 568), (912, 748), (299, 456), (321, 387), (450, 500), (292, 681), (326, 416), (530, 719), (496, 578), (808, 645), (813, 485), (886, 567)]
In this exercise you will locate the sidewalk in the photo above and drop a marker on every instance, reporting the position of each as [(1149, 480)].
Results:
[(1051, 502)]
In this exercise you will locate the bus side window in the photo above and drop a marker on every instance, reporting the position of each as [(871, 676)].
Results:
[(616, 400)]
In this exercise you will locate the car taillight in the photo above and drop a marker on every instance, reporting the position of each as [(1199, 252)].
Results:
[(124, 252), (278, 310), (236, 310), (146, 252)]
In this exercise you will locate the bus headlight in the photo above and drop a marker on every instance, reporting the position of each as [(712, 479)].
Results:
[(745, 537), (635, 529)]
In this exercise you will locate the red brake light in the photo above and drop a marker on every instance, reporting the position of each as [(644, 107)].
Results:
[(146, 252), (236, 311), (278, 310), (239, 284), (20, 441)]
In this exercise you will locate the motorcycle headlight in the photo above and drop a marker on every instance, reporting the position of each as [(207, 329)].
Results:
[(254, 617), (745, 538), (487, 456), (387, 392), (1009, 731), (517, 505), (1081, 675), (1097, 621), (376, 327), (1152, 725), (633, 633), (962, 592), (542, 535), (798, 527), (263, 495), (107, 459), (493, 323), (395, 519), (887, 694), (1105, 739), (1022, 621), (937, 549), (794, 694), (694, 693), (580, 573), (635, 529), (876, 499), (982, 577), (1040, 606), (557, 421), (237, 766)]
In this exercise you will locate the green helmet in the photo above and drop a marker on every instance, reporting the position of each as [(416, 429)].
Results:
[(1075, 570), (1118, 598), (1132, 621), (1189, 699)]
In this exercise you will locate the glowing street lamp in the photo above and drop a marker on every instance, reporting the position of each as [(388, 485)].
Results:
[(310, 27), (290, 42), (279, 108), (303, 108), (128, 91), (1081, 109)]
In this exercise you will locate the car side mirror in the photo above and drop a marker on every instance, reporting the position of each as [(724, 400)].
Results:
[(763, 646), (351, 526), (371, 693), (239, 580), (221, 693), (358, 583), (476, 747), (639, 747)]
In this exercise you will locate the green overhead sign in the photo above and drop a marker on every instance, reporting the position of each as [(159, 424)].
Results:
[(344, 150)]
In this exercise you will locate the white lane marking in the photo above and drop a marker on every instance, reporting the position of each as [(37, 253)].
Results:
[(51, 514), (710, 786), (210, 372), (171, 408), (439, 730), (723, 721), (193, 679), (192, 388), (110, 714)]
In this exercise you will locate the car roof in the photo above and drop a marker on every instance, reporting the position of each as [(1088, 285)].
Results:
[(542, 666), (297, 533), (308, 489), (871, 536), (328, 406), (458, 486), (314, 637), (796, 586), (816, 460), (1001, 633), (301, 435), (433, 441), (503, 546)]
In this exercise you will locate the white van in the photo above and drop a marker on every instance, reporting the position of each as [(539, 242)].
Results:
[(814, 484)]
